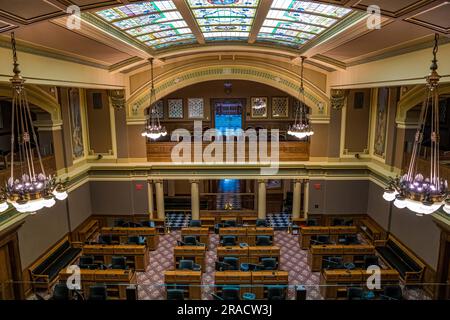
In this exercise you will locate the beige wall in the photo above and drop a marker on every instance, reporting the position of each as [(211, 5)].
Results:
[(99, 121), (44, 229), (357, 123), (420, 234)]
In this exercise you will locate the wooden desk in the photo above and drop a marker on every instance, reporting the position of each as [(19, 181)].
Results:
[(350, 253), (260, 279), (306, 233), (195, 253), (249, 221), (208, 223), (88, 231), (122, 234), (137, 255), (240, 233), (253, 232), (334, 283), (256, 253), (238, 278), (222, 215), (239, 252), (116, 281), (190, 281), (371, 231), (202, 234)]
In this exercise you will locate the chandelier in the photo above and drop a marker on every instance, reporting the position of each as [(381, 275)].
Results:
[(423, 195), (301, 127), (153, 128), (28, 188)]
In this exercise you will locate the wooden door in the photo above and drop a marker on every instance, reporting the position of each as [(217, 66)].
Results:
[(6, 288)]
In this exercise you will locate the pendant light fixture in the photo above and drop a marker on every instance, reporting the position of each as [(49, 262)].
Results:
[(423, 193), (153, 128), (301, 128), (28, 188)]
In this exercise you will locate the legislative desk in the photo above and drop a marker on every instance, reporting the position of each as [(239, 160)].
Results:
[(255, 254), (208, 223), (122, 234), (306, 233), (239, 252), (194, 253), (136, 255), (350, 253), (334, 283), (116, 281), (220, 216), (261, 279), (201, 234), (238, 278), (253, 232), (189, 281), (239, 232)]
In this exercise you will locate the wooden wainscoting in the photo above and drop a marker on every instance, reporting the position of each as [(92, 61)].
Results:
[(288, 151)]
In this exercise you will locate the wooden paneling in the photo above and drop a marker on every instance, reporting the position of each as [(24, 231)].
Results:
[(288, 151)]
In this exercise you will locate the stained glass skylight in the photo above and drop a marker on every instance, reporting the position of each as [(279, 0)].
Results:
[(293, 22), (224, 19), (157, 24)]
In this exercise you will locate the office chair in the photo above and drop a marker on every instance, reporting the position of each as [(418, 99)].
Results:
[(105, 239), (311, 222), (269, 264), (61, 292), (349, 222), (175, 294), (190, 241), (320, 239), (228, 241), (119, 223), (261, 223), (333, 263), (263, 241), (86, 260), (233, 263), (351, 239), (337, 222), (370, 260), (354, 293), (230, 293), (97, 292), (138, 240), (189, 265), (132, 225), (119, 263), (88, 266), (195, 224), (392, 293), (148, 224), (229, 224), (276, 293)]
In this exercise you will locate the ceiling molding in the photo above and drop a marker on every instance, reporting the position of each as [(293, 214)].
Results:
[(329, 62)]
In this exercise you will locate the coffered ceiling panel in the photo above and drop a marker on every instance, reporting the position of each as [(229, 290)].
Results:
[(437, 18), (62, 40), (391, 35), (393, 8), (27, 11)]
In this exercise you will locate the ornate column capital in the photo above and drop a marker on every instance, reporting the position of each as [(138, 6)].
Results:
[(194, 180), (117, 98), (262, 180), (338, 97)]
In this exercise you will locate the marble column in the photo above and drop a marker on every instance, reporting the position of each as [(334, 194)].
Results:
[(150, 198), (296, 199), (195, 200), (305, 198), (261, 199), (159, 187)]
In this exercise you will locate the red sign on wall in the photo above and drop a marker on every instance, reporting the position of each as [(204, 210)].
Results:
[(139, 187), (317, 186)]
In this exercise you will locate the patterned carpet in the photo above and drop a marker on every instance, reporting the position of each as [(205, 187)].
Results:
[(293, 259)]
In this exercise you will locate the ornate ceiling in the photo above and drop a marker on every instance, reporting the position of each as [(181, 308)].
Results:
[(120, 35)]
